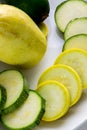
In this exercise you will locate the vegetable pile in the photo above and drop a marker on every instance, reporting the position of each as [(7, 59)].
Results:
[(61, 85)]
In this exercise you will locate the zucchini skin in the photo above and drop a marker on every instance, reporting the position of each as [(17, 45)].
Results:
[(70, 24), (3, 97), (65, 43), (23, 96), (17, 104), (37, 120), (57, 8), (39, 117), (38, 10)]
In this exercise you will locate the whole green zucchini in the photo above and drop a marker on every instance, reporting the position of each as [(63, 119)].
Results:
[(38, 10)]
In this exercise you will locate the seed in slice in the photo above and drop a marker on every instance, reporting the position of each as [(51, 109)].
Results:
[(74, 27), (67, 76), (78, 41), (57, 99), (77, 59)]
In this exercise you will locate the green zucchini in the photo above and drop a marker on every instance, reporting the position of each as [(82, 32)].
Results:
[(3, 97), (75, 27), (28, 115), (16, 87), (69, 10), (38, 10), (77, 41)]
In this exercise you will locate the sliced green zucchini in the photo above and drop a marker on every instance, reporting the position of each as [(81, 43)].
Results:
[(67, 76), (3, 97), (76, 26), (57, 99), (26, 116), (16, 87), (77, 59), (78, 41), (69, 10)]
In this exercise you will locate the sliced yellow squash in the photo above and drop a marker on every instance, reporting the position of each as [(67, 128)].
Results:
[(67, 76), (77, 59), (57, 99)]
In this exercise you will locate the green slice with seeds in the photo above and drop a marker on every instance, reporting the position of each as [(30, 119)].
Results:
[(78, 41)]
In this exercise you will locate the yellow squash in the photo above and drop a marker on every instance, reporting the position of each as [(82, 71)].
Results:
[(21, 40)]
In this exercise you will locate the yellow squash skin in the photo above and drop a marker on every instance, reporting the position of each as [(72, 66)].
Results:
[(21, 40)]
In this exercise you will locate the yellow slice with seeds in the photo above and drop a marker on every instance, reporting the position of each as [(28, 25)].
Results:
[(67, 76), (77, 59), (57, 99)]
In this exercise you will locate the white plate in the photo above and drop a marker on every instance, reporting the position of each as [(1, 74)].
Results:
[(76, 118)]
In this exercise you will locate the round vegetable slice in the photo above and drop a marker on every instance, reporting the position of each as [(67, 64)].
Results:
[(69, 10), (78, 41), (3, 97), (74, 27), (16, 88), (26, 116), (57, 99), (67, 76), (77, 59)]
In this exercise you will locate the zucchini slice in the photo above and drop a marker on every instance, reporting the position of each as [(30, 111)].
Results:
[(77, 59), (16, 87), (57, 99), (69, 10), (26, 116), (67, 76), (78, 41), (76, 26), (3, 97)]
